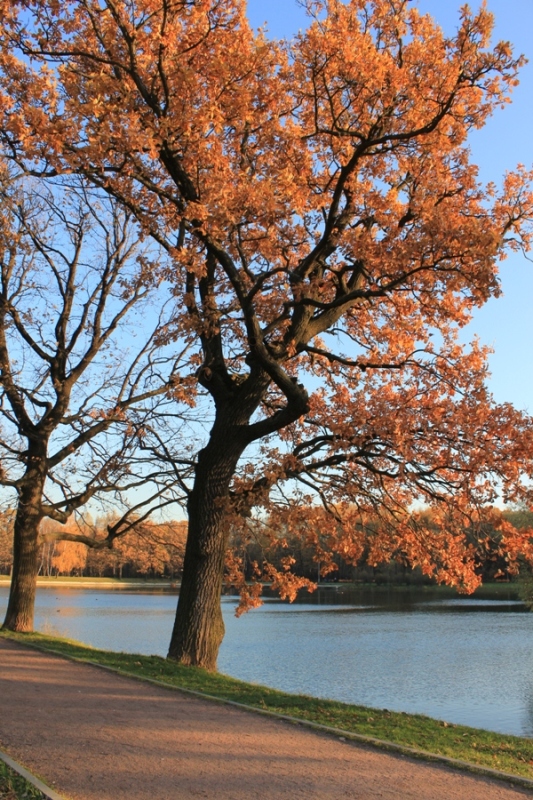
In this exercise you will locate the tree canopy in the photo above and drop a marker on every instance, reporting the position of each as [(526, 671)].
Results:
[(327, 236)]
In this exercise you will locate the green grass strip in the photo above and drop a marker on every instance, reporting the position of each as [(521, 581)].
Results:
[(15, 787), (509, 754), (17, 782)]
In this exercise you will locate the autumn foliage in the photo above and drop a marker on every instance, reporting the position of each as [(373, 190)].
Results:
[(328, 237), (153, 550)]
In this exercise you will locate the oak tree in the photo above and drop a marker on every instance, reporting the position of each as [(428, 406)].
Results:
[(328, 235)]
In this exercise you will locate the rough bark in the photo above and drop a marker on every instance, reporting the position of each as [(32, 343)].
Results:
[(199, 628), (20, 609)]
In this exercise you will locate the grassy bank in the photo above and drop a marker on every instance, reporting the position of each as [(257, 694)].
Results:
[(14, 787), (511, 754)]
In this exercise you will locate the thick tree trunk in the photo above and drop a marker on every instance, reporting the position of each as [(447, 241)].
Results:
[(199, 628), (20, 609)]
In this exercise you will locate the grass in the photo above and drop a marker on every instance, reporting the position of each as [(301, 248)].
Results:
[(510, 754), (14, 787)]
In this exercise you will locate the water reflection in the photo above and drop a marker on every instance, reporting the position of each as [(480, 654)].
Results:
[(404, 597), (467, 661)]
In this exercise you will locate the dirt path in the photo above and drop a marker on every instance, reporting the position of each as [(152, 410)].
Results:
[(94, 735)]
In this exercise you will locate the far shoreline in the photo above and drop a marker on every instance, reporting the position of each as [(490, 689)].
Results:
[(107, 583), (497, 590)]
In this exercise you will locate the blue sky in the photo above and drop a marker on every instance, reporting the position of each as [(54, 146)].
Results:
[(506, 323)]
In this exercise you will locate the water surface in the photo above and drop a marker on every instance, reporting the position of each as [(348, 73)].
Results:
[(464, 661)]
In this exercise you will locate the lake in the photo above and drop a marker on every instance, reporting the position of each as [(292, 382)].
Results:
[(468, 661)]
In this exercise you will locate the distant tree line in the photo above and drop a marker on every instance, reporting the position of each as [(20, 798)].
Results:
[(274, 543), (150, 549), (157, 550)]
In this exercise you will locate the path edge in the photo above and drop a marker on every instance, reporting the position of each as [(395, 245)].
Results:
[(47, 791), (339, 733)]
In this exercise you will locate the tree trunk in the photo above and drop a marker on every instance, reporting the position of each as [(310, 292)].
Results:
[(20, 609), (199, 628)]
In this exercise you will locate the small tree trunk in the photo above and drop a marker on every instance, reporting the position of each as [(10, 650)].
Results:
[(20, 609), (199, 628)]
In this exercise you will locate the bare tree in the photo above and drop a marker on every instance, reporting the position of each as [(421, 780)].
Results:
[(83, 373)]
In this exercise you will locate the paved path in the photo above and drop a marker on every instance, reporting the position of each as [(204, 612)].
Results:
[(94, 735)]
